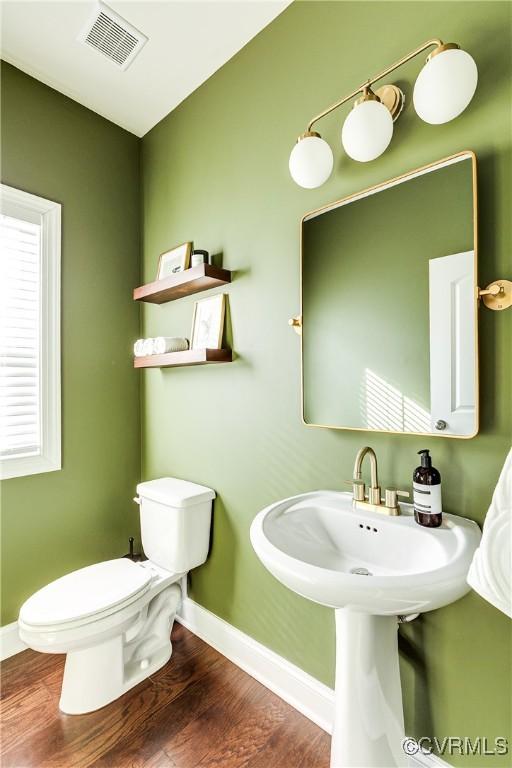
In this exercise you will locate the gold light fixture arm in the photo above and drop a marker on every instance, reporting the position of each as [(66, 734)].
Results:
[(435, 42), (333, 107)]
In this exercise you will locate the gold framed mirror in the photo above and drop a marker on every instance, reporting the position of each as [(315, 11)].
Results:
[(389, 304)]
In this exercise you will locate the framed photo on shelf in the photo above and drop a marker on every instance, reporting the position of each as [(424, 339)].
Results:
[(208, 323), (175, 260)]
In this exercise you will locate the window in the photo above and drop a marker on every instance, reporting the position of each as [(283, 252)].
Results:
[(29, 334)]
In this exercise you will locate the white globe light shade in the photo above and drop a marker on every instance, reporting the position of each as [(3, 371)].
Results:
[(445, 86), (367, 131), (311, 162)]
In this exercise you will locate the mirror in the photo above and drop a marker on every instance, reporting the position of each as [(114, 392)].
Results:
[(389, 304)]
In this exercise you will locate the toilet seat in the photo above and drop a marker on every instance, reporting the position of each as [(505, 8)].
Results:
[(86, 595)]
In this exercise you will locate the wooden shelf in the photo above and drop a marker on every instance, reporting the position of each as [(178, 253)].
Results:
[(188, 357), (193, 280)]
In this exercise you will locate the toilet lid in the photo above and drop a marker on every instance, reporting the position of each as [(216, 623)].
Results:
[(86, 592)]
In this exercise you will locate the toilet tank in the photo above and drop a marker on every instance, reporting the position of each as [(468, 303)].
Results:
[(175, 517)]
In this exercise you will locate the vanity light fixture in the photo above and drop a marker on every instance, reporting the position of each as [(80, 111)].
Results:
[(443, 89), (311, 160), (445, 85), (368, 129)]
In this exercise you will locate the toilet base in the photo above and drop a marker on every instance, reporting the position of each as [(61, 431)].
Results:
[(95, 676)]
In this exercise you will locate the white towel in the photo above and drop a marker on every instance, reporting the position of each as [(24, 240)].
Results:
[(147, 347), (163, 344), (138, 348), (490, 571)]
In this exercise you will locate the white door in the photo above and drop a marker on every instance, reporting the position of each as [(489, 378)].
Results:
[(453, 344)]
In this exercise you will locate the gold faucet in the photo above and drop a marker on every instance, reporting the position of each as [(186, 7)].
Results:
[(374, 489), (373, 501)]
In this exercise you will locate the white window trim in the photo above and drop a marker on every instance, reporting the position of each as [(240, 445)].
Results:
[(49, 459)]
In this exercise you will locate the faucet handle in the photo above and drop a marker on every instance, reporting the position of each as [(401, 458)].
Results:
[(391, 497), (358, 488)]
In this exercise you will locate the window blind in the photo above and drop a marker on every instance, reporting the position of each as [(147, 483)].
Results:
[(20, 328)]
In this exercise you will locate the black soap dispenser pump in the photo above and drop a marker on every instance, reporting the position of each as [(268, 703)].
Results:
[(426, 483)]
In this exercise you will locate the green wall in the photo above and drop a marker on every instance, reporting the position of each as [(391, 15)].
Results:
[(215, 171), (58, 521)]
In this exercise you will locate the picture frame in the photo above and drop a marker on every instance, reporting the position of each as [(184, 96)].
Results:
[(208, 322), (175, 260)]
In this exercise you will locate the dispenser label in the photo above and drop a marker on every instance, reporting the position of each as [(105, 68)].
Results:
[(427, 498)]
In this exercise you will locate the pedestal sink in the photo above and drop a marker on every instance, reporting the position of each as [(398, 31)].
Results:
[(371, 569)]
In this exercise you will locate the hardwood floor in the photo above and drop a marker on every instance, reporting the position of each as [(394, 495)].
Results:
[(199, 711)]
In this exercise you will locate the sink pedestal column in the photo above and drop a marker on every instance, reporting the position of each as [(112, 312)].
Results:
[(368, 721)]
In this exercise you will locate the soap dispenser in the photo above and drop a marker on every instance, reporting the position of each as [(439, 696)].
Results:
[(426, 483)]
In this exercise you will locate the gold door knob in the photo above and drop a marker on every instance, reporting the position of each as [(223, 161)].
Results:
[(296, 323)]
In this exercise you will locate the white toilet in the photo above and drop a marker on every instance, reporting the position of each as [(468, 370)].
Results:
[(113, 619)]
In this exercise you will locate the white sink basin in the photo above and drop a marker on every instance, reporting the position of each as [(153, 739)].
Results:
[(316, 543), (370, 568)]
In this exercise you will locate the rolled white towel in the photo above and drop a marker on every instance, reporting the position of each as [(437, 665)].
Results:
[(490, 573), (163, 344), (138, 348), (147, 347)]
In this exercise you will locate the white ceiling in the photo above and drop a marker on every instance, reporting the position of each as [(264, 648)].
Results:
[(188, 42)]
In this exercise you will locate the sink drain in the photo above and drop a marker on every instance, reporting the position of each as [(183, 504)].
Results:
[(361, 571)]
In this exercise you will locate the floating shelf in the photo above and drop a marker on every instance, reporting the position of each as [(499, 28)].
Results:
[(193, 280), (188, 357)]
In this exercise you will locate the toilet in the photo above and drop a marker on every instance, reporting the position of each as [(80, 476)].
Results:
[(113, 619)]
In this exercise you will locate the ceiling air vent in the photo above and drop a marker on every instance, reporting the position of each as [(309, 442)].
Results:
[(113, 36)]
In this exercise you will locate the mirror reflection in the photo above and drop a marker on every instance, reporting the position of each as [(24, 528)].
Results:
[(389, 306)]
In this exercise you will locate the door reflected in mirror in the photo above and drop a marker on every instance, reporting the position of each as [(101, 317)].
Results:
[(389, 304)]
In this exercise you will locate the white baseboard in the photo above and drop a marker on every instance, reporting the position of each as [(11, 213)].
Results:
[(10, 642), (302, 691), (424, 760)]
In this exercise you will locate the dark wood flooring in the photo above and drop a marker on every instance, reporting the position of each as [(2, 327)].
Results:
[(199, 711)]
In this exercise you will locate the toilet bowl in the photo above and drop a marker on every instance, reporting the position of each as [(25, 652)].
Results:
[(113, 619)]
